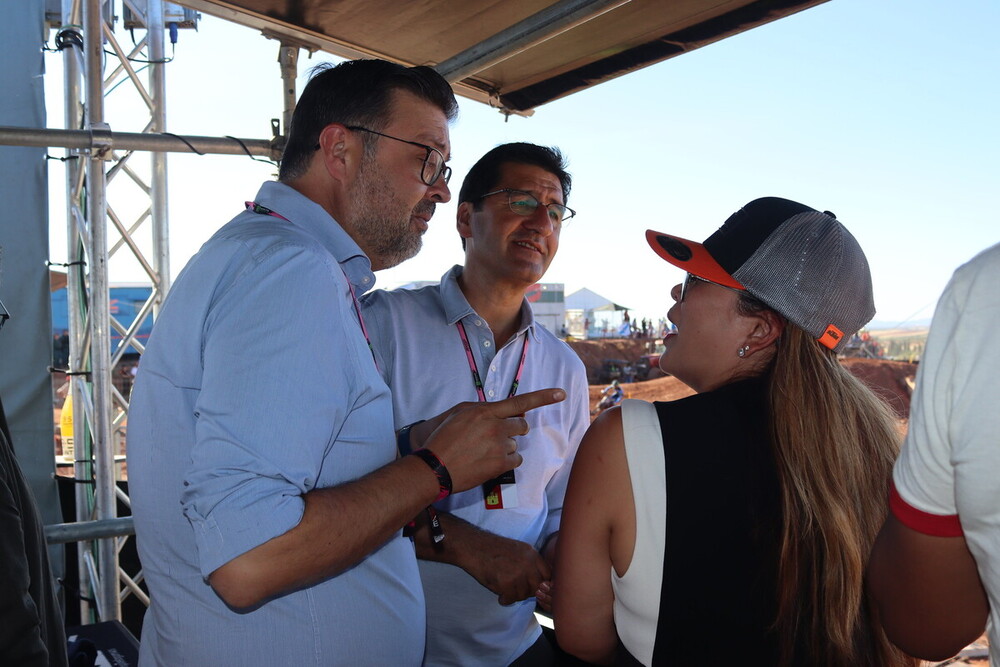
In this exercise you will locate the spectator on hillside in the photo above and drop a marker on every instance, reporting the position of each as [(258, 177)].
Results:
[(628, 373)]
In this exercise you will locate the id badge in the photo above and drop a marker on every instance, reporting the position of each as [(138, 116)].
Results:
[(501, 492)]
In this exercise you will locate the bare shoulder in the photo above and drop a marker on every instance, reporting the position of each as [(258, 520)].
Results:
[(605, 436), (584, 599), (599, 484)]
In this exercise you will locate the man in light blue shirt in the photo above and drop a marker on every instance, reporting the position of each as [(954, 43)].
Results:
[(478, 341), (267, 494)]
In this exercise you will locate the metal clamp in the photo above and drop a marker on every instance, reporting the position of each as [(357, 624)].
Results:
[(101, 141)]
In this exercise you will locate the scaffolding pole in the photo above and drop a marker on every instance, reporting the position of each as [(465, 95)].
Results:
[(106, 588), (90, 146), (103, 138), (72, 60), (158, 90)]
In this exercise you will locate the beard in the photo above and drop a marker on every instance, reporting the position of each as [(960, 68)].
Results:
[(382, 223)]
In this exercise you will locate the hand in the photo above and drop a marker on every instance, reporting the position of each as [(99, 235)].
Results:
[(547, 588), (475, 441), (543, 596), (510, 568)]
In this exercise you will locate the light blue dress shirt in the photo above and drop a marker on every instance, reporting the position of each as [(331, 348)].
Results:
[(422, 358), (256, 387)]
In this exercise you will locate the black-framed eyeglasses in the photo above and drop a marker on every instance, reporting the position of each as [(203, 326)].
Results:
[(525, 203), (4, 315), (434, 162), (690, 279)]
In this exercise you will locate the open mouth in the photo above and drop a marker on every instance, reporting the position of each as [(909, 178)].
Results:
[(529, 245)]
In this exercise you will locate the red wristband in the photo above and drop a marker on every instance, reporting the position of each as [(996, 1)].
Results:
[(444, 479)]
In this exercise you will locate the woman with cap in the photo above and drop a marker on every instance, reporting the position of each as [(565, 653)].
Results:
[(733, 526)]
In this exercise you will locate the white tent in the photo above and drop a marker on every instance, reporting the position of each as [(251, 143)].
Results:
[(590, 315)]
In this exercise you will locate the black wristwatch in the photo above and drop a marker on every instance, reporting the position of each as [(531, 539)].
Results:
[(403, 438)]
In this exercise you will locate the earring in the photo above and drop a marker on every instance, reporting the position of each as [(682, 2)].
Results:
[(742, 352)]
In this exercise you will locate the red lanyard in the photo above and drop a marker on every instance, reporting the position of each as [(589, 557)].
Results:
[(263, 210), (475, 370)]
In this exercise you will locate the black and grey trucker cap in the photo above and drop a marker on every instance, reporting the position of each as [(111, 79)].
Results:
[(802, 263)]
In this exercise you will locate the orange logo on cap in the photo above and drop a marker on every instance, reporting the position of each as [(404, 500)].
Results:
[(831, 337)]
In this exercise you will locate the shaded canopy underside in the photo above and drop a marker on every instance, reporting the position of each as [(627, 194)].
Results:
[(512, 54)]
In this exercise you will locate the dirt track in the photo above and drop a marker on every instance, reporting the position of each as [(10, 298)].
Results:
[(889, 379)]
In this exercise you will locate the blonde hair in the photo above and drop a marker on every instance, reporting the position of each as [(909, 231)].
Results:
[(834, 445)]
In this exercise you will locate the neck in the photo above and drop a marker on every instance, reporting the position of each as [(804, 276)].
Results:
[(309, 187), (323, 193), (499, 305)]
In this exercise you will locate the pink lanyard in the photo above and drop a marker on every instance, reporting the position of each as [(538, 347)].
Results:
[(263, 210), (475, 370)]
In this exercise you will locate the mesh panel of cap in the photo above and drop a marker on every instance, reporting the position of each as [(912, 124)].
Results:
[(812, 271)]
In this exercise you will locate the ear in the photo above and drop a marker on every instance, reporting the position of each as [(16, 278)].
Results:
[(767, 328), (464, 220), (337, 152)]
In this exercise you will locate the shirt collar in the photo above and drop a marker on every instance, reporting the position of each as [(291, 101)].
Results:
[(456, 306), (309, 216)]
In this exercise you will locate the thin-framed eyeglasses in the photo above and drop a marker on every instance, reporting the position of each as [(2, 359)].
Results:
[(525, 203), (691, 279), (434, 162), (4, 315)]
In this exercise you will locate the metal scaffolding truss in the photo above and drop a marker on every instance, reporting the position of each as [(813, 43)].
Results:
[(94, 62), (90, 321)]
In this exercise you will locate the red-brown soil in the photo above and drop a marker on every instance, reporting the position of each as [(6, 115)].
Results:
[(594, 352), (892, 380)]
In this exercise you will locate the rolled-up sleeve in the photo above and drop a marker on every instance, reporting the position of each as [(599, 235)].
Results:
[(275, 393)]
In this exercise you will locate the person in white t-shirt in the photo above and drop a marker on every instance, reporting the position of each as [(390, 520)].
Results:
[(935, 567)]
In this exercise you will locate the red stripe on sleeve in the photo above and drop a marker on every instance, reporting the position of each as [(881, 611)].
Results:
[(938, 525)]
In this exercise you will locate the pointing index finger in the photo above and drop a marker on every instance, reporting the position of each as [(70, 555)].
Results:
[(522, 403)]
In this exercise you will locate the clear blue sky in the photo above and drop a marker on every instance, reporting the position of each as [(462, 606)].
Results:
[(885, 113)]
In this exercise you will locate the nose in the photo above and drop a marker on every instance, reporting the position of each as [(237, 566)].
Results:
[(675, 292), (540, 221), (439, 192)]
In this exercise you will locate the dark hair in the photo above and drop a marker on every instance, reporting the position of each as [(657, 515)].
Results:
[(485, 174), (355, 92)]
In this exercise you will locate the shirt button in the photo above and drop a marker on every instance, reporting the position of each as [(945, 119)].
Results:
[(366, 280), (491, 393), (479, 323), (493, 368), (486, 343)]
